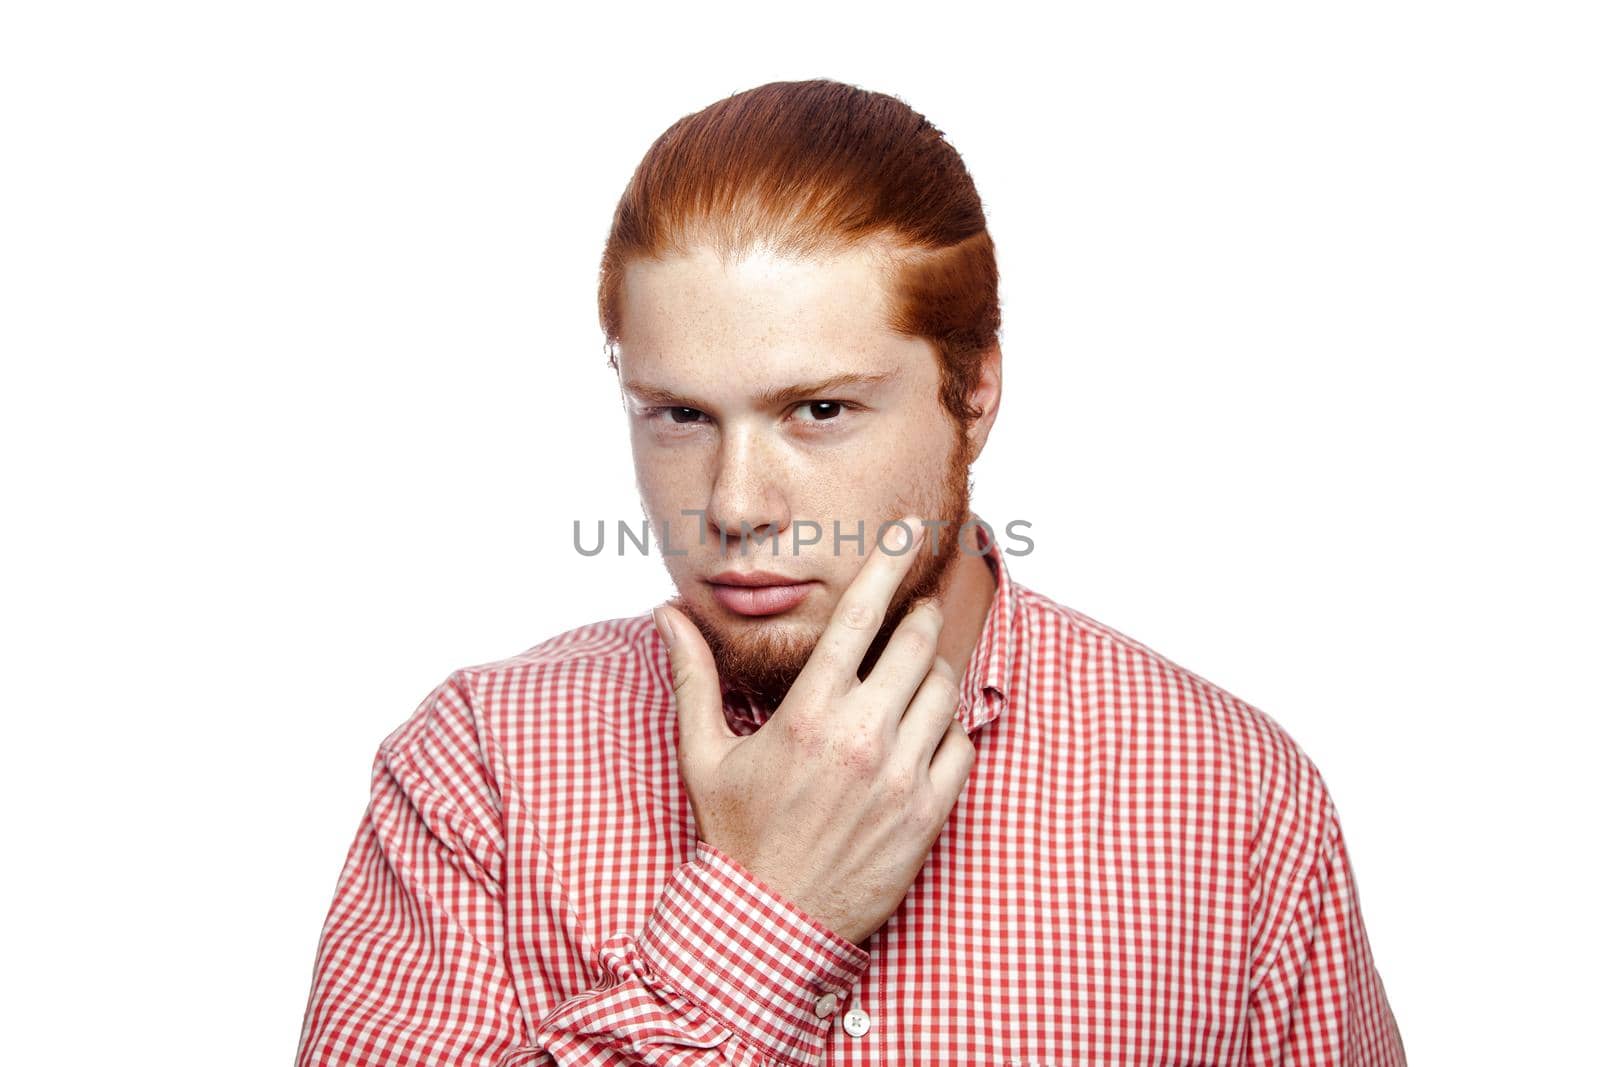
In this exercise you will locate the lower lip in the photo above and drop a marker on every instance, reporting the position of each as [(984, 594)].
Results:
[(760, 599)]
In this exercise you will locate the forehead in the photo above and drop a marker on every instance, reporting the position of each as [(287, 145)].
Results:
[(762, 313)]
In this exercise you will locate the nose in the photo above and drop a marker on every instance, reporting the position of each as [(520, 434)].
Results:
[(747, 497)]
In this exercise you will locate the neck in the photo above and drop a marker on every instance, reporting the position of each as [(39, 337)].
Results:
[(966, 607)]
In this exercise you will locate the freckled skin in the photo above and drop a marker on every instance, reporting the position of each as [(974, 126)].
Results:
[(716, 337)]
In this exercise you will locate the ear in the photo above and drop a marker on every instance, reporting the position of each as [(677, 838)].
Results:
[(985, 398)]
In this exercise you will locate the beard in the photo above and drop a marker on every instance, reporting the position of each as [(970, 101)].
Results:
[(761, 664)]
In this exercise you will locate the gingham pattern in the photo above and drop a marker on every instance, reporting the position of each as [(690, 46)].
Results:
[(1141, 869)]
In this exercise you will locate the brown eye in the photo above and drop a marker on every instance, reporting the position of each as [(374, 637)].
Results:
[(684, 414), (824, 409)]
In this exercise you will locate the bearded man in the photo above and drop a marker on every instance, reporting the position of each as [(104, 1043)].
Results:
[(854, 796)]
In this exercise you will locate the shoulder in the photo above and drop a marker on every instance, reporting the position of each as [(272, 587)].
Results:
[(1123, 684), (611, 658), (595, 645)]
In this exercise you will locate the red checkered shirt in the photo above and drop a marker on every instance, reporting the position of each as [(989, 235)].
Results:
[(1141, 869)]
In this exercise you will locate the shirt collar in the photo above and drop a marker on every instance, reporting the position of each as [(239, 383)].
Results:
[(987, 684)]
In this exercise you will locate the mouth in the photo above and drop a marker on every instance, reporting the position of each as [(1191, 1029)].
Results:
[(758, 592)]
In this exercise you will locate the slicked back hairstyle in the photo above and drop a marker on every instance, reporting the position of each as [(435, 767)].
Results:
[(810, 169)]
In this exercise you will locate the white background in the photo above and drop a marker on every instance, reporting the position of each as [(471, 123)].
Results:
[(304, 387)]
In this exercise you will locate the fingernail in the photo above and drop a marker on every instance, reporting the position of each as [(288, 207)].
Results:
[(663, 626)]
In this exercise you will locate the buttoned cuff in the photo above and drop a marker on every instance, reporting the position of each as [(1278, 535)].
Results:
[(750, 956)]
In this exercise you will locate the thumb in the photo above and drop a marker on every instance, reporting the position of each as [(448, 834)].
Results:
[(696, 688)]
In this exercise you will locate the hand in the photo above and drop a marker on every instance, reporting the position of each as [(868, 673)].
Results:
[(837, 800)]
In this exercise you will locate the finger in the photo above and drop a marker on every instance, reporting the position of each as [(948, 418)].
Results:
[(929, 714), (696, 688), (906, 659), (859, 615), (952, 763)]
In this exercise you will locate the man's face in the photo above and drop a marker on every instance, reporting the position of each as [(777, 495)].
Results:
[(771, 395)]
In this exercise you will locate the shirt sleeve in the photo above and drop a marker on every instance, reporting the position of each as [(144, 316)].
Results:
[(1317, 996), (723, 957), (411, 964)]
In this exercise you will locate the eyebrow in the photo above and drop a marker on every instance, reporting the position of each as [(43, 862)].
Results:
[(787, 394)]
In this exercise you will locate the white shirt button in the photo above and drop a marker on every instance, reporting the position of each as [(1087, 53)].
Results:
[(826, 1005), (857, 1022)]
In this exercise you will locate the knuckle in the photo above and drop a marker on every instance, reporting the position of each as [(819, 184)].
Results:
[(862, 753), (926, 815), (900, 789), (858, 614), (943, 689), (915, 641), (804, 732)]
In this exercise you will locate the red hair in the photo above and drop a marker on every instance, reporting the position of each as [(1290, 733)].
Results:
[(814, 168)]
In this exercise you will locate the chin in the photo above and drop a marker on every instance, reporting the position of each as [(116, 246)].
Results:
[(759, 654), (808, 617)]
